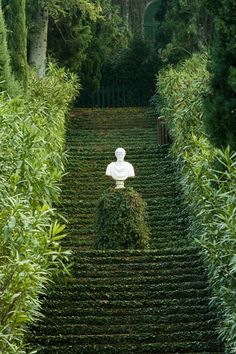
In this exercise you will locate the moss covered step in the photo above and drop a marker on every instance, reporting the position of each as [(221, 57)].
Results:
[(99, 322), (129, 349), (101, 328), (126, 301), (132, 290), (169, 307), (150, 269), (140, 337), (112, 118), (123, 346), (74, 141)]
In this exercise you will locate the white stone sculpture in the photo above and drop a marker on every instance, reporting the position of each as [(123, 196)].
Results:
[(120, 170)]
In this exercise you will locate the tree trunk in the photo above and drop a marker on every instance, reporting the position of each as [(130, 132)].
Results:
[(38, 44)]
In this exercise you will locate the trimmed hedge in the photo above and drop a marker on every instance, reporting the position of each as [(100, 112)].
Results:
[(32, 156), (209, 190), (121, 220)]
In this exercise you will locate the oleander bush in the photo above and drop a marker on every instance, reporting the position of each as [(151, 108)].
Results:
[(121, 220), (208, 181), (31, 159)]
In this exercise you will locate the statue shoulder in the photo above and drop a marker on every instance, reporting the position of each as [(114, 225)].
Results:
[(130, 168), (109, 168), (128, 163)]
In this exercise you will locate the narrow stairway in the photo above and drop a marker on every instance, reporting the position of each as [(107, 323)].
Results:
[(154, 301)]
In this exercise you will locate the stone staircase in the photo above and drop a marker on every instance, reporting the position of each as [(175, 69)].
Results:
[(154, 301)]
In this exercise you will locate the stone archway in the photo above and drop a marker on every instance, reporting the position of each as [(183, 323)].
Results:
[(150, 22)]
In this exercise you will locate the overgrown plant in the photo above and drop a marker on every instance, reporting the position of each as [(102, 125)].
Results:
[(208, 180), (121, 220), (31, 155)]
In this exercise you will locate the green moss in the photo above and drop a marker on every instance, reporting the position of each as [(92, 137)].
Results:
[(121, 220)]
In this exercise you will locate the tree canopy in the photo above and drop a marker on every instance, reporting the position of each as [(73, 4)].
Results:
[(77, 34), (220, 104)]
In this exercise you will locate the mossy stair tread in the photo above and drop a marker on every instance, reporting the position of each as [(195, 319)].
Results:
[(99, 330), (128, 349), (138, 337), (187, 252), (126, 301), (132, 348), (125, 324), (171, 309)]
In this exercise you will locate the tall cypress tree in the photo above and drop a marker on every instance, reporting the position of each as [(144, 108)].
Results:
[(15, 17), (6, 79), (220, 105)]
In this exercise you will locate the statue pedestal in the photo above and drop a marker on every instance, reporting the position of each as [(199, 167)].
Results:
[(120, 184)]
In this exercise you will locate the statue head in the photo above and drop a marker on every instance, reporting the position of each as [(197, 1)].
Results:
[(120, 154), (120, 170)]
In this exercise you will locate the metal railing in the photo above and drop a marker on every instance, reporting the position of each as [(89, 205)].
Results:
[(113, 96)]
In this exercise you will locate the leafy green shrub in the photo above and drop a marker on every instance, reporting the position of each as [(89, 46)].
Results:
[(155, 106), (121, 220), (31, 159), (209, 193), (220, 104)]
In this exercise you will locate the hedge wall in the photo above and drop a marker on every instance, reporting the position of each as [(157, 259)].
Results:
[(208, 182), (31, 160)]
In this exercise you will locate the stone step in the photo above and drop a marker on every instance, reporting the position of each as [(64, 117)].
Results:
[(126, 301)]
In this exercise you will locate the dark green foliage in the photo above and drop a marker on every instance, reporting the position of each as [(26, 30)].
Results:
[(208, 177), (121, 220), (178, 28), (81, 43), (32, 155), (153, 23), (155, 105), (68, 40), (132, 13), (135, 67), (6, 79), (109, 35), (14, 12), (187, 27), (220, 104)]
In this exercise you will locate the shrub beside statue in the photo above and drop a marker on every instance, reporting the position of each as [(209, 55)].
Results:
[(121, 216), (121, 220)]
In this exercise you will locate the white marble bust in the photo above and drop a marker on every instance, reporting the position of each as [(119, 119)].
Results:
[(120, 170)]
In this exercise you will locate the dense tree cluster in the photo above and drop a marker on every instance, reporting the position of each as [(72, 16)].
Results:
[(76, 33), (220, 112), (132, 12), (135, 67)]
